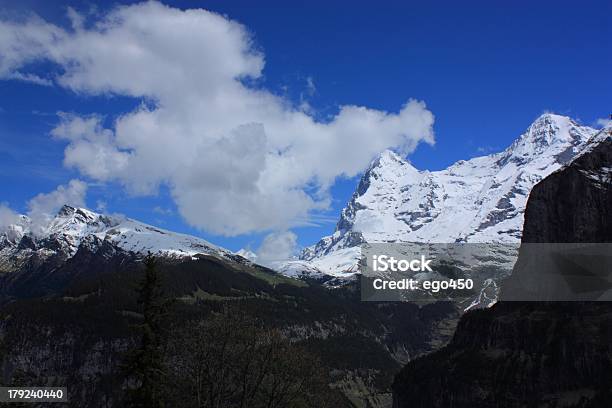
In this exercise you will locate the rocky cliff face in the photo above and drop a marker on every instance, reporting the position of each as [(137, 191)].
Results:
[(533, 354), (575, 203)]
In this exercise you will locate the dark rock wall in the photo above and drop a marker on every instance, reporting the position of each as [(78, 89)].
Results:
[(574, 204), (532, 354)]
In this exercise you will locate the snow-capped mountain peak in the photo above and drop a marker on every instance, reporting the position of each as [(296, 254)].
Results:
[(387, 159), (71, 227), (247, 254), (389, 165), (553, 135), (477, 200)]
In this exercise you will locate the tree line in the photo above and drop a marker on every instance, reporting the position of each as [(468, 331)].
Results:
[(224, 360)]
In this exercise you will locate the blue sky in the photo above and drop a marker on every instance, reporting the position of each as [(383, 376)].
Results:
[(484, 70)]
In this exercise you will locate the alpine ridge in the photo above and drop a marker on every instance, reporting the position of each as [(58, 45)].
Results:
[(73, 227), (478, 200)]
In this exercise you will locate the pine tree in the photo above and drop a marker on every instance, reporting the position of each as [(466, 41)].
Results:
[(145, 363)]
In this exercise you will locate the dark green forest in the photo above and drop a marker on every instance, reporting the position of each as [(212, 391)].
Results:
[(207, 332)]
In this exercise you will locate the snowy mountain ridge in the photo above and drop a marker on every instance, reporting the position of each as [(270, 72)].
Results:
[(72, 227), (478, 200)]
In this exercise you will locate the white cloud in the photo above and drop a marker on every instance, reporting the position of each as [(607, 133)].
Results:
[(91, 148), (604, 122), (101, 206), (43, 207), (162, 211), (7, 216), (19, 76), (311, 88), (487, 149), (276, 247), (235, 157)]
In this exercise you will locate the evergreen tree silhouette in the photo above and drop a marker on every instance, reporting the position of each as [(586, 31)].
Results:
[(145, 368)]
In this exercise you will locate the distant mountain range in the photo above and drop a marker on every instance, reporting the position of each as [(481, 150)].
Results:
[(71, 227), (478, 200), (39, 259), (69, 311)]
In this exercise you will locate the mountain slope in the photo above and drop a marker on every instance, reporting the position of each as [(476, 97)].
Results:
[(68, 321), (479, 200), (544, 354), (38, 259), (73, 227)]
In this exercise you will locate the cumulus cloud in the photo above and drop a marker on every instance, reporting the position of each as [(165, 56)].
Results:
[(7, 216), (91, 148), (43, 207), (276, 247), (235, 157)]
